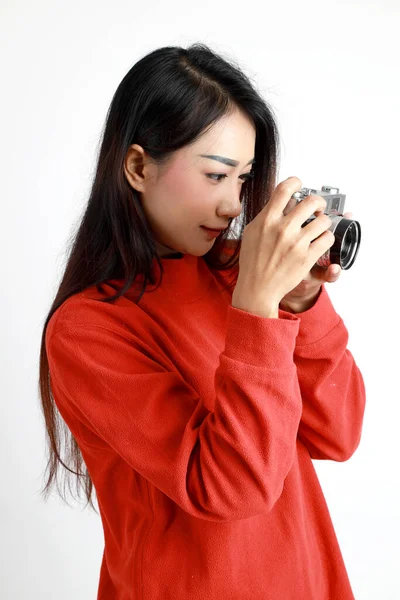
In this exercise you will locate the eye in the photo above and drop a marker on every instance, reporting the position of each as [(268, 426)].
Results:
[(245, 176), (248, 176), (211, 175)]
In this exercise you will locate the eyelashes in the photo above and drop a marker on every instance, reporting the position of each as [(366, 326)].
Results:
[(245, 177)]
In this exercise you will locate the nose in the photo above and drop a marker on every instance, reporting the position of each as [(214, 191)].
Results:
[(232, 206)]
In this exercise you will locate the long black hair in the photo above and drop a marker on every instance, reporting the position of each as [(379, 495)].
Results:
[(165, 101)]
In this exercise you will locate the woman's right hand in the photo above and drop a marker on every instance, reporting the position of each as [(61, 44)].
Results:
[(277, 252)]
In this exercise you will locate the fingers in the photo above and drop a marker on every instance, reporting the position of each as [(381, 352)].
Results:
[(282, 196)]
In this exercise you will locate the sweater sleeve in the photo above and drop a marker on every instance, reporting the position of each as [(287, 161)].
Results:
[(220, 465), (331, 383)]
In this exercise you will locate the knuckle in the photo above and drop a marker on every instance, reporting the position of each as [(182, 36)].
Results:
[(321, 202), (282, 229), (327, 220), (294, 180), (285, 187), (330, 236), (290, 184)]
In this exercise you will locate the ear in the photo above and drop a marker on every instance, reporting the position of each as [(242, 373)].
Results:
[(136, 168)]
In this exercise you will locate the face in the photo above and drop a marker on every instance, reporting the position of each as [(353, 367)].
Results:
[(192, 190)]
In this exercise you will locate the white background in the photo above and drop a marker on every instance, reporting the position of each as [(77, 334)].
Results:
[(330, 70)]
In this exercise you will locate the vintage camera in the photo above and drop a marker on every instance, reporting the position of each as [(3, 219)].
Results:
[(347, 232)]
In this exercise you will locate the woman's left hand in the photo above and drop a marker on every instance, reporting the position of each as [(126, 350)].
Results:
[(304, 295)]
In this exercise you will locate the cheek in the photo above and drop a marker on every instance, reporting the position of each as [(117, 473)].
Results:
[(179, 180), (185, 189)]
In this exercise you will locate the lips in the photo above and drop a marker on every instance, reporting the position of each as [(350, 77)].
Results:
[(212, 228), (211, 233)]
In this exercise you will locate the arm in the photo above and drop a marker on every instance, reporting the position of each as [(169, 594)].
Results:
[(331, 384), (118, 391)]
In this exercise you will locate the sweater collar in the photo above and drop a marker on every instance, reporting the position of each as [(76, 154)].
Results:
[(185, 277)]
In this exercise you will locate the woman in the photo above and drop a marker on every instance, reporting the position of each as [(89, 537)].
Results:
[(197, 404)]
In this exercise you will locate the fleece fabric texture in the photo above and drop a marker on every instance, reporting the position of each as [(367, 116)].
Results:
[(198, 423)]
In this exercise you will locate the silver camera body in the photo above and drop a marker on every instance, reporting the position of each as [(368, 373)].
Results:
[(347, 232)]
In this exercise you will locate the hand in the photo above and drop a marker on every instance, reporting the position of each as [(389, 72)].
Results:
[(277, 252), (305, 294)]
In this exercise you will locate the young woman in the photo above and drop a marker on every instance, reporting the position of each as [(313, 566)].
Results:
[(193, 374)]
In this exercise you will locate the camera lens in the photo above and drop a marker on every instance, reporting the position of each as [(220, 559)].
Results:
[(347, 242), (346, 245)]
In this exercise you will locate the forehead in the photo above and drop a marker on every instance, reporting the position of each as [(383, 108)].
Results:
[(232, 137), (231, 130)]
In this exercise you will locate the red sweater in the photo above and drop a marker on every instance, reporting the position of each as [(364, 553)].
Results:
[(197, 422)]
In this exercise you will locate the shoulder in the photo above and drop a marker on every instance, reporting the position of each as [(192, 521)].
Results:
[(86, 309)]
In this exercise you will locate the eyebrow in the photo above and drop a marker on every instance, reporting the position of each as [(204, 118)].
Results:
[(226, 161)]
